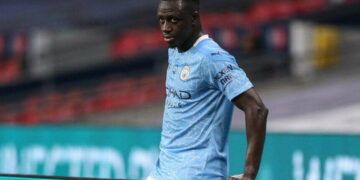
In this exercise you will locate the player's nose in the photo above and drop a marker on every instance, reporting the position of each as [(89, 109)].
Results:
[(166, 27)]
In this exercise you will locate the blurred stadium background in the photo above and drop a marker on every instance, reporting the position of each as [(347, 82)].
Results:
[(82, 85)]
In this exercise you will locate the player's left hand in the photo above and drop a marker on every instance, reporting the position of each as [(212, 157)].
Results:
[(236, 177)]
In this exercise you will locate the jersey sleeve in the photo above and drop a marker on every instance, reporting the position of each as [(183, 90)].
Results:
[(223, 73)]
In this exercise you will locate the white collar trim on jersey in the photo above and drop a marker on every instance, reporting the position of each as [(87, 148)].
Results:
[(201, 38)]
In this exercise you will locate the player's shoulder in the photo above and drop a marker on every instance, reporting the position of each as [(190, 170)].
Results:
[(212, 51)]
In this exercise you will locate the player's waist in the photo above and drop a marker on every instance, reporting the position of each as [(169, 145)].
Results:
[(198, 162)]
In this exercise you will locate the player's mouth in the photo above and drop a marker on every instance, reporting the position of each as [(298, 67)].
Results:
[(168, 39)]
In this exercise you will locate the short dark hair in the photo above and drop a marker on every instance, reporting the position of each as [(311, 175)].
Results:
[(195, 4)]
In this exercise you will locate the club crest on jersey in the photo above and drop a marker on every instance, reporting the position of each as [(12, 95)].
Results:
[(185, 72)]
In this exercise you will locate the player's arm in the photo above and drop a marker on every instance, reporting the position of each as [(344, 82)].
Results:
[(256, 116)]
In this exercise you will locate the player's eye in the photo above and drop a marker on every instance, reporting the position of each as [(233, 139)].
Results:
[(161, 20), (174, 20)]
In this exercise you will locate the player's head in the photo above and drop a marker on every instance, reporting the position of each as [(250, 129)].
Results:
[(179, 22)]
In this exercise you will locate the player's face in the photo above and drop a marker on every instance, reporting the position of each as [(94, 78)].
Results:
[(175, 23)]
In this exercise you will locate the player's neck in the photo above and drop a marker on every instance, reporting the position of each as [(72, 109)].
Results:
[(190, 42)]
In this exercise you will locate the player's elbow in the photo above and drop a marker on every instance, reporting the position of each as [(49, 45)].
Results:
[(263, 111), (260, 113)]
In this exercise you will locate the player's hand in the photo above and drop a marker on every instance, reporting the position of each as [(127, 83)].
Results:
[(239, 177), (236, 177)]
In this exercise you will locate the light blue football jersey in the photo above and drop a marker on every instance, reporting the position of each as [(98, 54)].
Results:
[(200, 85)]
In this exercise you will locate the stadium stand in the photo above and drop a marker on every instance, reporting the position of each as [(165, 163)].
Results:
[(256, 32), (71, 104)]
